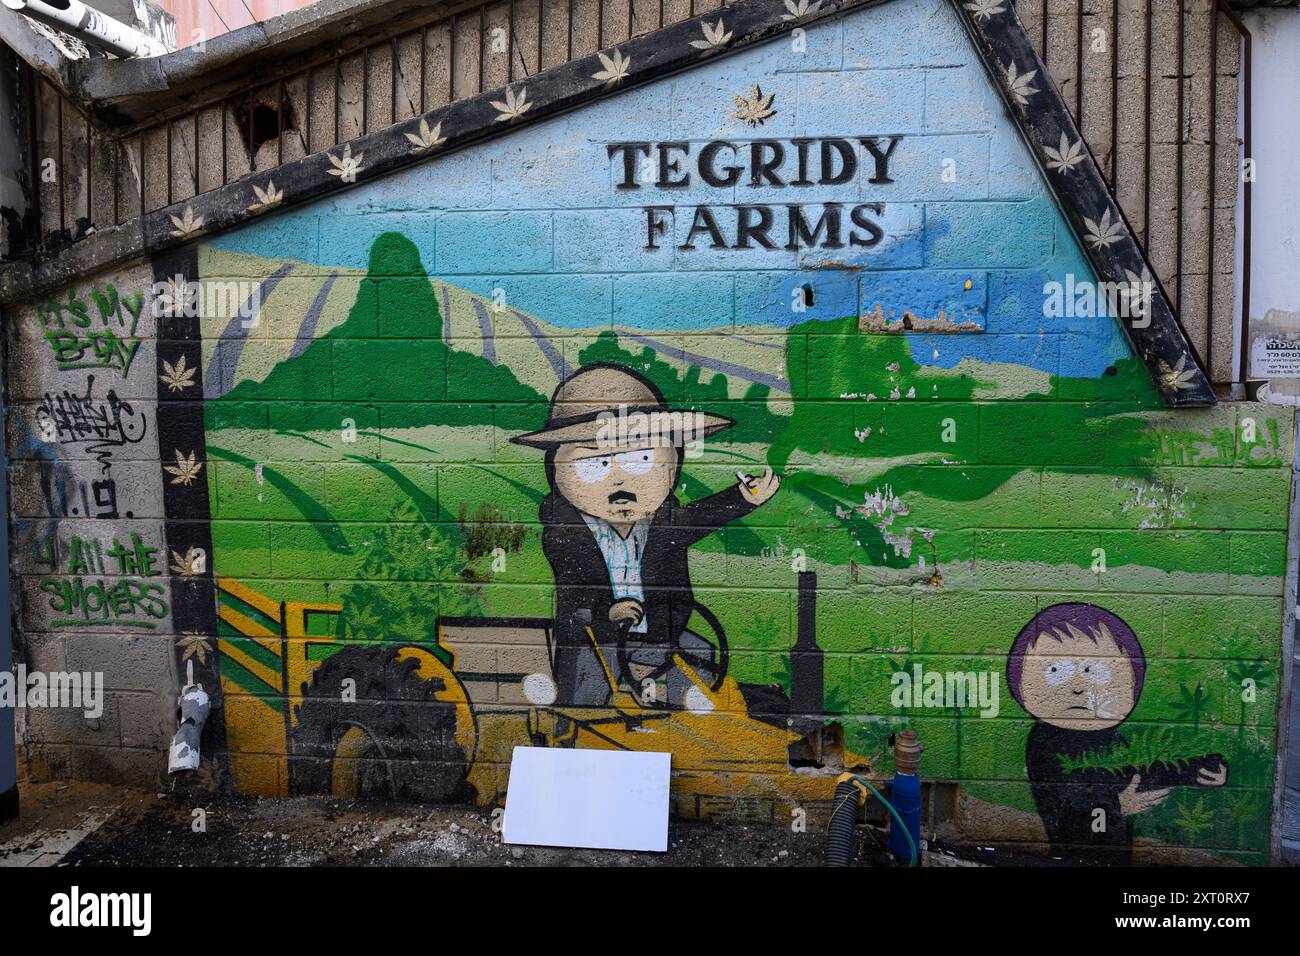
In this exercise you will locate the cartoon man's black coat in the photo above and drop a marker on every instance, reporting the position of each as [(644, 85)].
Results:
[(582, 579)]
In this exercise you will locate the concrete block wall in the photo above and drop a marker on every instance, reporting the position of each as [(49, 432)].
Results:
[(955, 461), (1168, 178), (89, 564)]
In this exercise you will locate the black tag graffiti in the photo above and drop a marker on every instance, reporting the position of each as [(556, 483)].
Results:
[(97, 426)]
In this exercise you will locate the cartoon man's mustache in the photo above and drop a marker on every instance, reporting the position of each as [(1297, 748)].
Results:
[(619, 497)]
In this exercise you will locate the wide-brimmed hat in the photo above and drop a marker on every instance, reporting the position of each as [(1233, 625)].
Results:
[(598, 398)]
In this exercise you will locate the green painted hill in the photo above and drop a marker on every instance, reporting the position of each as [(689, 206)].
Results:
[(389, 345)]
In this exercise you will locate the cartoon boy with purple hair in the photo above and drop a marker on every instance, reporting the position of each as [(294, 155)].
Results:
[(1078, 670)]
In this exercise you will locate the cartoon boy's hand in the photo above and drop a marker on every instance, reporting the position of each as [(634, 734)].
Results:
[(758, 490), (628, 609), (1206, 777), (1131, 802)]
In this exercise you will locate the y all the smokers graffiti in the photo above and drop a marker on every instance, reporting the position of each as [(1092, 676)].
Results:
[(767, 163), (102, 581)]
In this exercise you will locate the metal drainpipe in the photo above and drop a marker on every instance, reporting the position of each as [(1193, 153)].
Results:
[(97, 29)]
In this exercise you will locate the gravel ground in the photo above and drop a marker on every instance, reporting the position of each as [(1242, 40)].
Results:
[(161, 829), (150, 829)]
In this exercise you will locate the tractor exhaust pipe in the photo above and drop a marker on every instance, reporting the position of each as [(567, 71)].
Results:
[(95, 28), (807, 673)]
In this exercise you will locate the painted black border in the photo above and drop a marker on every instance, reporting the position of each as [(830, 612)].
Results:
[(187, 507), (1081, 193)]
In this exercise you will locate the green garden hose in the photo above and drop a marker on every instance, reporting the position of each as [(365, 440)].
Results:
[(839, 842)]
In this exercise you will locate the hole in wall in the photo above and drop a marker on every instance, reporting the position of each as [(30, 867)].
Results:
[(259, 122), (822, 749)]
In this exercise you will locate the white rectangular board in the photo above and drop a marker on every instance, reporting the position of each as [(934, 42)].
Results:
[(595, 799)]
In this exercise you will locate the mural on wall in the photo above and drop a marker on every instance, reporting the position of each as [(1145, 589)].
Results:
[(856, 438), (702, 418), (93, 582), (1078, 670)]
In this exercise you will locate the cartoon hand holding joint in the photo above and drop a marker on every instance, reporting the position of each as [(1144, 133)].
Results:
[(758, 490)]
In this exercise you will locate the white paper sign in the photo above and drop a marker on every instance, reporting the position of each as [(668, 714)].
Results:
[(1274, 356), (597, 799)]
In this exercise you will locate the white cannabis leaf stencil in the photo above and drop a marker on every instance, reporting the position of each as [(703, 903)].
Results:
[(347, 166), (187, 225), (426, 139), (177, 295), (1135, 295), (756, 109), (1178, 378), (1066, 156), (802, 9), (266, 198), (187, 565), (513, 107), (177, 377), (1104, 231), (714, 36), (186, 468), (1019, 86), (194, 644), (983, 9), (615, 68)]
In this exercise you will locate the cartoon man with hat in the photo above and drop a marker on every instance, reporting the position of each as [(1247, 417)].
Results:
[(617, 537)]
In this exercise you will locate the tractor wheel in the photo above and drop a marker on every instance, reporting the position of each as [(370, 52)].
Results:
[(395, 738)]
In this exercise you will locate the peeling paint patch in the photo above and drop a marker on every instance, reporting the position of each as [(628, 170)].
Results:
[(884, 506), (877, 323), (1161, 504)]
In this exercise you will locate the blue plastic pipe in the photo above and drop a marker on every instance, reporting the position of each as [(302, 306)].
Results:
[(906, 798)]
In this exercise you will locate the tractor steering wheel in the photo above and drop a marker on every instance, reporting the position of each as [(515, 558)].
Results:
[(724, 650)]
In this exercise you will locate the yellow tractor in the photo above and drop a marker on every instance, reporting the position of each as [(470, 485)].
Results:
[(440, 723)]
